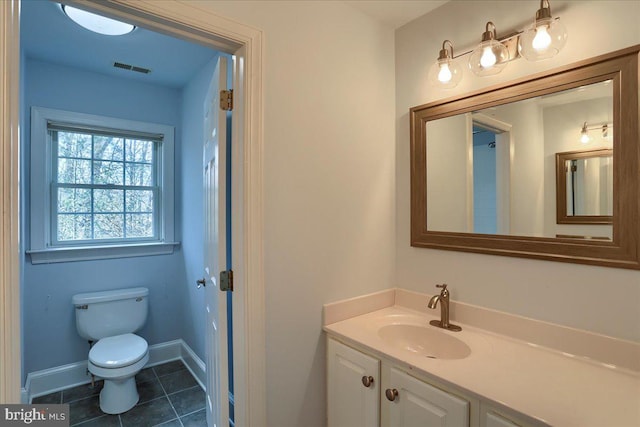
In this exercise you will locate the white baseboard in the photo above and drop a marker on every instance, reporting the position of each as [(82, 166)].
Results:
[(50, 380)]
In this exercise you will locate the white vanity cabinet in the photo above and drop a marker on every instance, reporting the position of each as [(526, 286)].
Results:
[(358, 395), (365, 391), (353, 387), (492, 417), (417, 403)]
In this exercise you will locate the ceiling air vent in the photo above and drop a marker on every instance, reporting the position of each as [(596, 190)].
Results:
[(131, 68)]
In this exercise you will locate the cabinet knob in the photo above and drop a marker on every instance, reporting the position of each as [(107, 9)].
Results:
[(367, 381), (391, 393)]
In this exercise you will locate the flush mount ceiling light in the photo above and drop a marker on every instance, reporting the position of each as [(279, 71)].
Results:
[(445, 72), (97, 23), (542, 40)]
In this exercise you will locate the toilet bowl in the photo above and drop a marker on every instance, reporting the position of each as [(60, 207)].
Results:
[(117, 360), (108, 319)]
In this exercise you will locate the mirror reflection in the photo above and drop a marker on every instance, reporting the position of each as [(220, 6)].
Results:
[(493, 170)]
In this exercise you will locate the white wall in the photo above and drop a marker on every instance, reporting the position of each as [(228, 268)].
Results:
[(329, 181), (604, 300), (447, 184), (527, 166)]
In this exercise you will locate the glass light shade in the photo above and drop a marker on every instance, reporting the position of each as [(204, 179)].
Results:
[(584, 134), (97, 23), (445, 73), (542, 40), (584, 137), (489, 58)]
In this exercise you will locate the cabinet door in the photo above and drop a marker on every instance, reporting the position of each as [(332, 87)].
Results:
[(350, 402), (420, 404), (491, 419)]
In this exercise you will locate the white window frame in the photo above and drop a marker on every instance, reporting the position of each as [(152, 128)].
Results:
[(42, 249)]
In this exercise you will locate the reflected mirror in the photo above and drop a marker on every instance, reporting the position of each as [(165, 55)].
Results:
[(486, 167), (584, 187)]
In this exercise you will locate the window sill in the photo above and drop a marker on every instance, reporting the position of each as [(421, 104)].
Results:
[(70, 254)]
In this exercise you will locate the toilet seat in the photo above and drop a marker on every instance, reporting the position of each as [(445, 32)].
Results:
[(118, 351)]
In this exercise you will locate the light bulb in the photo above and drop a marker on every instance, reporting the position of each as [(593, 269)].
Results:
[(488, 58), (542, 40), (445, 73), (584, 134)]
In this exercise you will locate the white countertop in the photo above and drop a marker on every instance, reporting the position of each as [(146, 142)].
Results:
[(544, 384)]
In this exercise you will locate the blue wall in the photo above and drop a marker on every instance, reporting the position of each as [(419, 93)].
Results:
[(49, 334)]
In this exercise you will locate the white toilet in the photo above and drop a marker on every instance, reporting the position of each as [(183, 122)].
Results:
[(110, 318)]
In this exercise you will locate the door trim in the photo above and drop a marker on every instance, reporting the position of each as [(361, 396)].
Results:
[(194, 23), (10, 335)]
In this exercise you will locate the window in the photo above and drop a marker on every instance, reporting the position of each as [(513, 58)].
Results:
[(100, 187)]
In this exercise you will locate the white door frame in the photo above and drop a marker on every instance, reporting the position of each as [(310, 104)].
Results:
[(188, 21)]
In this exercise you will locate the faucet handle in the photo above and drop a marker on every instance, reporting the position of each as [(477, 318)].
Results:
[(445, 292)]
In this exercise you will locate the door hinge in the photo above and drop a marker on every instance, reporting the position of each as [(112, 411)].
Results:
[(226, 100), (226, 280)]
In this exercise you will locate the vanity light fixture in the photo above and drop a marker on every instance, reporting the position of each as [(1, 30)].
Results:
[(542, 40), (584, 134), (490, 56), (97, 23), (445, 72), (604, 128), (545, 38)]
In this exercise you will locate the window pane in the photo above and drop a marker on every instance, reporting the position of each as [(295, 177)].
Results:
[(138, 174), (108, 148), (74, 145), (108, 226), (139, 225), (74, 227), (71, 171), (139, 151), (107, 172), (74, 200), (139, 201), (108, 201)]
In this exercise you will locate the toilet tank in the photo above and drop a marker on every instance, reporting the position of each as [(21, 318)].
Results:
[(109, 313)]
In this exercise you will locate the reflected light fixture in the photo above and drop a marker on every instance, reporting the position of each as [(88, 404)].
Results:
[(490, 56), (584, 134), (545, 38), (445, 72), (605, 131), (97, 23)]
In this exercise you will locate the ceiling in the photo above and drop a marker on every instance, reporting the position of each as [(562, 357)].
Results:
[(47, 34), (395, 13)]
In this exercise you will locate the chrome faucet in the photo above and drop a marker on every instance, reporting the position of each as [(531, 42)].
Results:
[(443, 299)]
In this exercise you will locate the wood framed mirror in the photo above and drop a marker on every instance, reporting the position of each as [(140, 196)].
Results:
[(483, 165)]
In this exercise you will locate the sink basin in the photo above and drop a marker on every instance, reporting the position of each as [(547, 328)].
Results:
[(426, 341)]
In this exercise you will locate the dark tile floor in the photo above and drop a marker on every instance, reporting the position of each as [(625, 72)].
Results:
[(169, 397)]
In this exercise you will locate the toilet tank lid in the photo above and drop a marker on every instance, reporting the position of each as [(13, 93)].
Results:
[(113, 295)]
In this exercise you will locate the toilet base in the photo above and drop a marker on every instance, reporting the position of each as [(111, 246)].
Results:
[(118, 396)]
